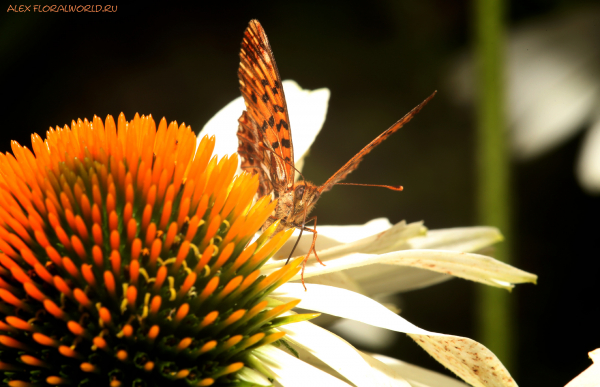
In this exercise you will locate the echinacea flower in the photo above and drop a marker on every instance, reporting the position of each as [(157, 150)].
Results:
[(125, 261), (366, 261)]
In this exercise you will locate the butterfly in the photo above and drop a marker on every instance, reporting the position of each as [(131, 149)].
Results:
[(265, 138)]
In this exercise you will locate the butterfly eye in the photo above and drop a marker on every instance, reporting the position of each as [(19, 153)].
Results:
[(299, 192)]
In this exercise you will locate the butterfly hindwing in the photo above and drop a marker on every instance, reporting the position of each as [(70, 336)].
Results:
[(251, 153)]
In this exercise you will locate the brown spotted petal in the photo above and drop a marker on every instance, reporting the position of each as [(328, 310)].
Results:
[(468, 359)]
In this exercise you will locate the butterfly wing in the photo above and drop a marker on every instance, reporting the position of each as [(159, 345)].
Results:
[(251, 155), (264, 130), (353, 163)]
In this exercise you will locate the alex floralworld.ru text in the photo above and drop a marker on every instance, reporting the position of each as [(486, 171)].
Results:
[(61, 8)]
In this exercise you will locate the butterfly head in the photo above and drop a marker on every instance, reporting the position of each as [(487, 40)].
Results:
[(305, 197)]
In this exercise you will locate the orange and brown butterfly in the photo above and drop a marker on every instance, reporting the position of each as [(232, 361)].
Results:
[(265, 137)]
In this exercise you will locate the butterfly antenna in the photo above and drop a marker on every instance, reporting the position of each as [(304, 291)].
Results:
[(392, 187)]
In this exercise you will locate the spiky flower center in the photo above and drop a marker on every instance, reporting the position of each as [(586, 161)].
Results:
[(125, 259)]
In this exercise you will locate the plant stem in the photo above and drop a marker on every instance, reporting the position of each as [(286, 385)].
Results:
[(495, 322)]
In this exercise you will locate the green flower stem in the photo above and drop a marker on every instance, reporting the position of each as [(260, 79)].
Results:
[(495, 322)]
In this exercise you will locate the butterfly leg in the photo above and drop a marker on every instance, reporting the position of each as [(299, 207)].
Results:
[(312, 247), (314, 241)]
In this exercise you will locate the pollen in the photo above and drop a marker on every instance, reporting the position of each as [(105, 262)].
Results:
[(125, 259)]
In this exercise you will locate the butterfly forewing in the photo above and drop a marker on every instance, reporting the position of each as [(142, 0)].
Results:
[(264, 132)]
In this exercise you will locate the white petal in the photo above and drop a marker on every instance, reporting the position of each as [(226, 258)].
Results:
[(223, 126), (340, 279), (395, 237), (330, 236), (588, 166), (377, 237), (417, 376), (363, 335), (382, 279), (350, 233), (591, 376), (307, 111), (251, 376), (339, 355), (371, 274), (384, 371), (474, 267), (466, 239), (471, 361), (291, 372)]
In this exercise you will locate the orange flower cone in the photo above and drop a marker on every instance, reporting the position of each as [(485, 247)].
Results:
[(125, 259)]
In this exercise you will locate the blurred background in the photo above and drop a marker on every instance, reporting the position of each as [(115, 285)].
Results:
[(379, 59)]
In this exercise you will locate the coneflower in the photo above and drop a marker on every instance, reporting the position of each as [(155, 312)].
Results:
[(125, 260)]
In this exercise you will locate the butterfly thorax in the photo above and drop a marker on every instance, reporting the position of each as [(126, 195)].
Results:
[(294, 205)]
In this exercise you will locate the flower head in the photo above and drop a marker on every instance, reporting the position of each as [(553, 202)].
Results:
[(125, 260)]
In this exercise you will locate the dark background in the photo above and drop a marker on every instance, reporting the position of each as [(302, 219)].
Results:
[(379, 59)]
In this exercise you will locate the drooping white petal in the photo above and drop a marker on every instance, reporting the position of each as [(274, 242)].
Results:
[(376, 279), (591, 376), (417, 376), (474, 267), (382, 279), (377, 236), (401, 245), (307, 110), (291, 372), (588, 165), (339, 355), (471, 361), (363, 335)]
